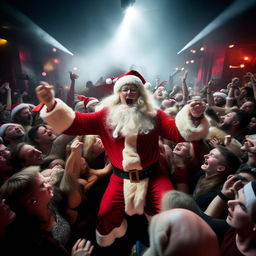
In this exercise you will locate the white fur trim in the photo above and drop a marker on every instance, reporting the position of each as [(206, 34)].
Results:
[(4, 127), (134, 193), (91, 102), (131, 159), (60, 118), (107, 240), (135, 196), (129, 79), (109, 81), (221, 94), (16, 109), (186, 127)]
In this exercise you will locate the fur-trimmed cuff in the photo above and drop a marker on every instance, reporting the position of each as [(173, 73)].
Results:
[(187, 129), (60, 118), (107, 240)]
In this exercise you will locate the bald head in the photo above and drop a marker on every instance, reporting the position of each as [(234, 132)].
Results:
[(181, 232)]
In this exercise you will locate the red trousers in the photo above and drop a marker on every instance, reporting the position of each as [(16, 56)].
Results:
[(111, 212)]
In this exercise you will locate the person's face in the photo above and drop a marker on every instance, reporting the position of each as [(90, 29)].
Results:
[(252, 124), (43, 191), (238, 217), (14, 132), (31, 155), (161, 93), (218, 100), (129, 94), (5, 154), (227, 120), (212, 162), (45, 134), (248, 107), (97, 147), (182, 149), (91, 108), (24, 116)]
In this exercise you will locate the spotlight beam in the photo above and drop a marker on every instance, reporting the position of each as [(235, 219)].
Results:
[(234, 9), (38, 31)]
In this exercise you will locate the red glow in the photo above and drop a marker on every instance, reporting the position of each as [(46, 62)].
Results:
[(56, 61)]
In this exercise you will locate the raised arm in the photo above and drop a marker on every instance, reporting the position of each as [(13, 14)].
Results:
[(70, 96), (185, 91)]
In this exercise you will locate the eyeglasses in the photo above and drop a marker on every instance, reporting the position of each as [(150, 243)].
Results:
[(131, 89)]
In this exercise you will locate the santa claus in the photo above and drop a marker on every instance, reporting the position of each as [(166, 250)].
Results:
[(129, 125)]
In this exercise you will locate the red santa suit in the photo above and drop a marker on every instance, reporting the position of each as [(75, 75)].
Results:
[(121, 196)]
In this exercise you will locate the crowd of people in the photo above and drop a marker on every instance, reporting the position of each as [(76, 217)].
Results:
[(142, 171)]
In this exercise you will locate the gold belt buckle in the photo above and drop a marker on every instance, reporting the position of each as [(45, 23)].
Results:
[(134, 176)]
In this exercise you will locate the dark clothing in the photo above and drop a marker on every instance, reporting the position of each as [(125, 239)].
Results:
[(228, 246)]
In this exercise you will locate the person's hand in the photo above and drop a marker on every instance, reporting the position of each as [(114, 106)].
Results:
[(234, 82), (197, 108), (249, 145), (210, 85), (214, 142), (73, 76), (82, 247), (231, 186), (76, 146), (45, 94)]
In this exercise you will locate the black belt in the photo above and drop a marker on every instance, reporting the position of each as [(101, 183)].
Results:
[(135, 175)]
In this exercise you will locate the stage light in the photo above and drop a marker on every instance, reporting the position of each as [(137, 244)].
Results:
[(202, 49), (176, 68), (56, 61), (231, 46), (54, 49), (75, 68), (24, 20), (236, 8), (192, 61), (182, 68), (44, 74), (187, 62), (193, 51), (246, 58), (3, 41), (242, 66)]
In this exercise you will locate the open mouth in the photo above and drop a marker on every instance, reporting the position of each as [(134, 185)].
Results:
[(129, 102)]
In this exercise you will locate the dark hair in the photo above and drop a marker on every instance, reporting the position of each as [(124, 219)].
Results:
[(249, 170), (16, 160), (230, 160), (243, 117), (32, 133)]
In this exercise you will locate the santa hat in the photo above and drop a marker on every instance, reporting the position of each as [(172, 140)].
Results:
[(221, 94), (111, 80), (250, 195), (162, 84), (15, 108), (88, 101), (4, 127), (131, 77)]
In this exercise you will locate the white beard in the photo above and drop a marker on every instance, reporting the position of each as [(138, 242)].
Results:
[(127, 121)]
